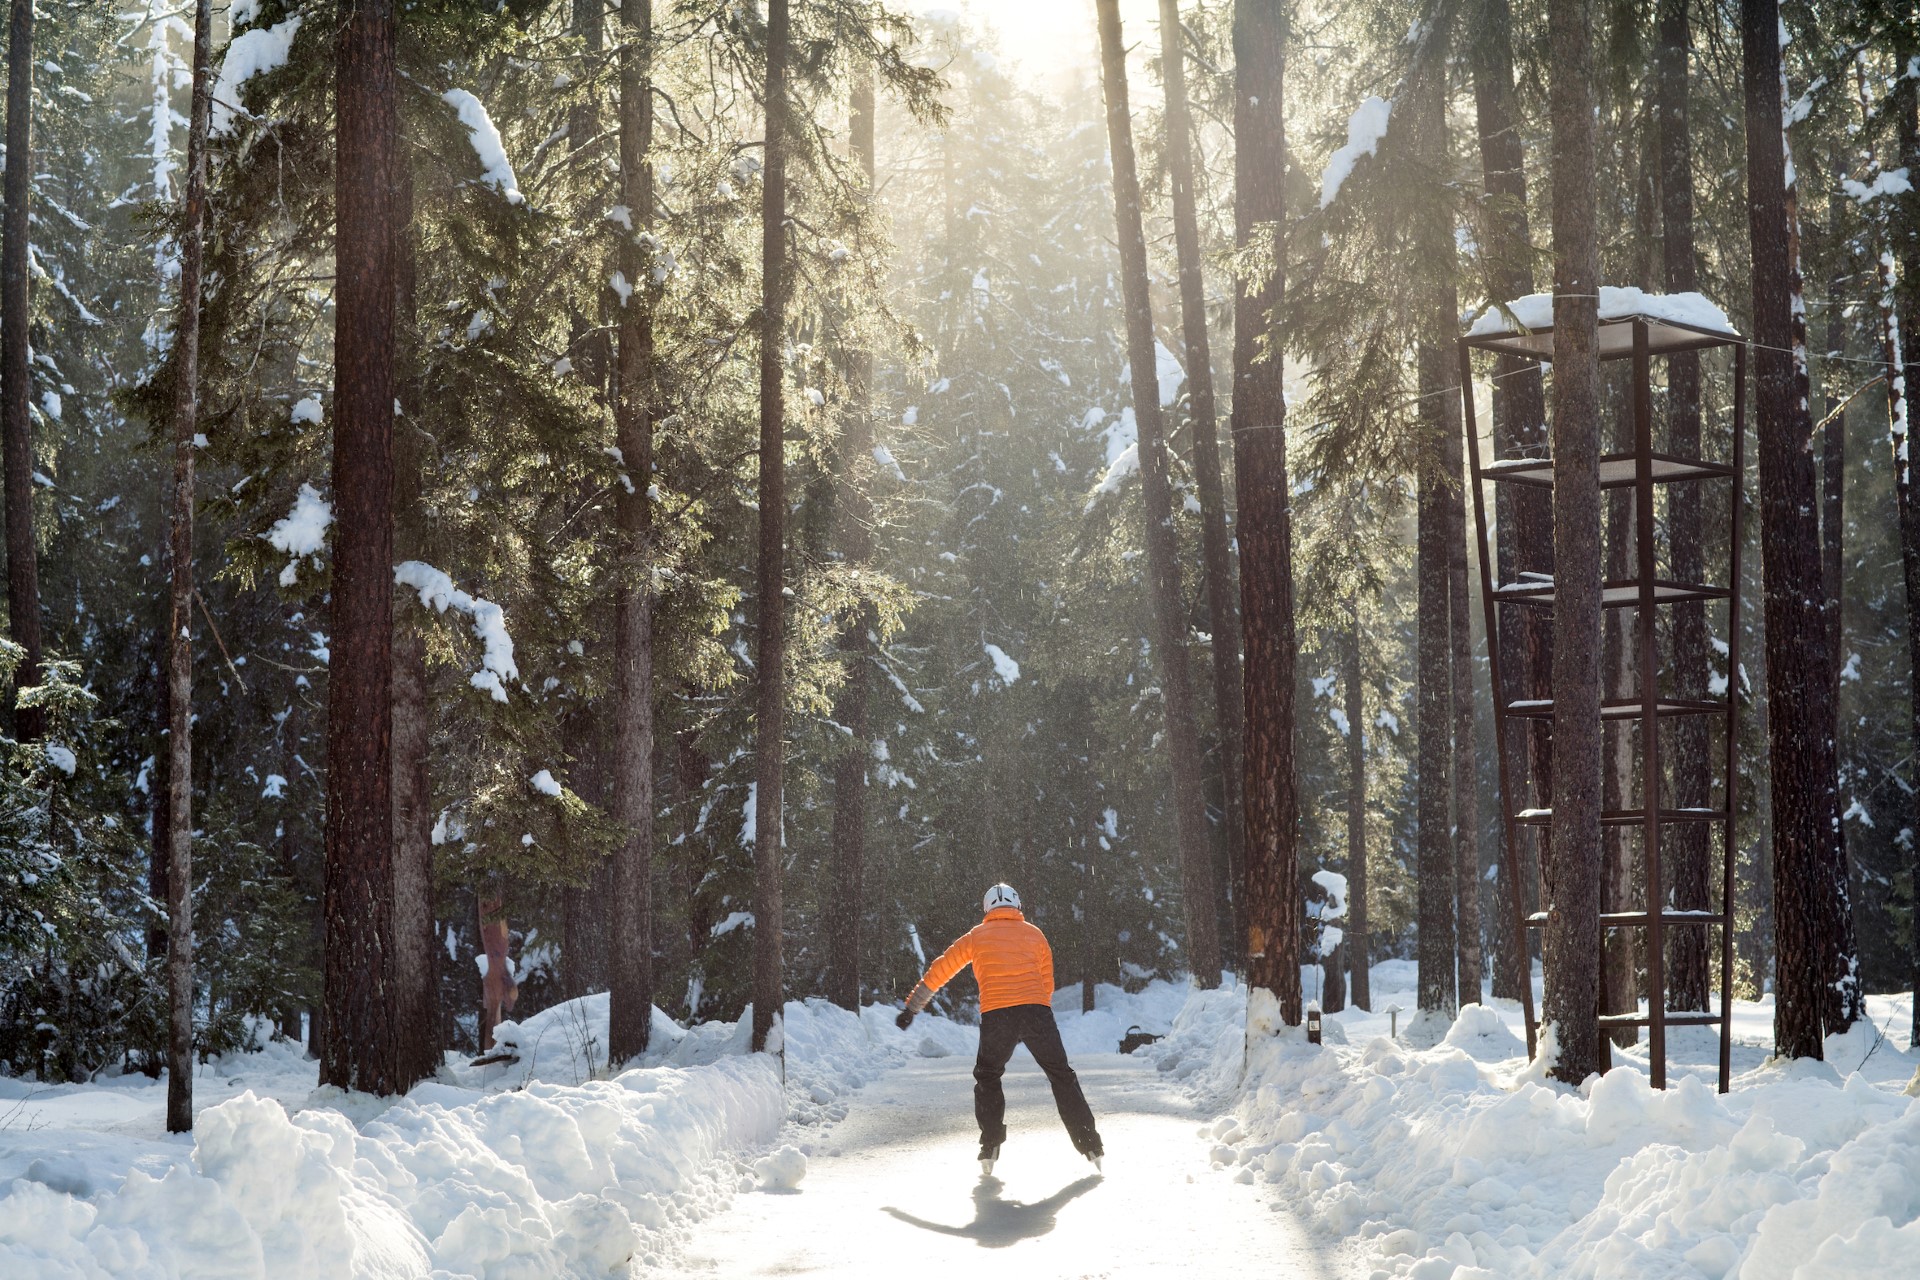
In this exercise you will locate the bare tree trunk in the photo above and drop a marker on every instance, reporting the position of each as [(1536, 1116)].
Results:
[(1523, 517), (416, 945), (771, 702), (1356, 943), (1215, 542), (1685, 844), (846, 904), (360, 1052), (1437, 468), (630, 945), (16, 378), (186, 407), (1271, 889), (1571, 1003), (1433, 726), (1900, 346), (1163, 552), (1466, 782), (1799, 714), (1619, 988)]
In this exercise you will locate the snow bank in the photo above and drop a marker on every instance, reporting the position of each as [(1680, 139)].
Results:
[(1535, 311), (541, 1167), (1456, 1162), (251, 53), (549, 1180)]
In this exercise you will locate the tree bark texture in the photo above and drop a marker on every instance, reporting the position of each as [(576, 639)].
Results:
[(630, 944), (1433, 706), (1523, 516), (186, 405), (1270, 793), (1163, 551), (16, 378), (1799, 713), (1684, 845), (1619, 985), (1215, 541), (1900, 348), (771, 702), (1572, 943), (1350, 677), (360, 1049), (1466, 782), (416, 944), (846, 898), (1840, 993), (1437, 470)]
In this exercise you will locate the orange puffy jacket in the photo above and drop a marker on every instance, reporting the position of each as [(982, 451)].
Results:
[(1010, 959)]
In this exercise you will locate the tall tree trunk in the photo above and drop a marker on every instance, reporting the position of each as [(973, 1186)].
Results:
[(1684, 846), (1571, 1002), (1834, 932), (846, 901), (1901, 348), (1163, 551), (1357, 947), (1215, 542), (771, 702), (1799, 712), (416, 944), (1437, 469), (630, 947), (360, 1052), (1466, 781), (16, 378), (1523, 516), (1433, 726), (186, 406), (1270, 887), (1619, 986)]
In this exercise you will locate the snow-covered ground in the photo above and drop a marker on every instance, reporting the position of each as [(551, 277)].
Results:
[(1457, 1161), (1367, 1157)]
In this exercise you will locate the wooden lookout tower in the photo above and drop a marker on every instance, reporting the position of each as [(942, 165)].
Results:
[(1642, 329)]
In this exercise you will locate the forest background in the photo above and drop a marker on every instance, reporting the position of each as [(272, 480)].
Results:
[(965, 533)]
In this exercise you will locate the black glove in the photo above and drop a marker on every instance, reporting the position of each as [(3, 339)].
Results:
[(904, 1020)]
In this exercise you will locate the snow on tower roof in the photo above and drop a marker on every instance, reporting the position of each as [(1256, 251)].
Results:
[(1535, 311)]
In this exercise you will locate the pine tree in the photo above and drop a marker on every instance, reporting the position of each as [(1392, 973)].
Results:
[(1261, 494), (1799, 716), (1523, 520), (1170, 626), (16, 379), (359, 1049), (847, 894), (1571, 1003), (1222, 612), (631, 941), (1686, 845), (770, 703), (186, 404)]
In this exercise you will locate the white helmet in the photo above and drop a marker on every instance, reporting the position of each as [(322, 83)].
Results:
[(1001, 895)]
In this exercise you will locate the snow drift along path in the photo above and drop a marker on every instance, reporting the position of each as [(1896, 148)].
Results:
[(893, 1190)]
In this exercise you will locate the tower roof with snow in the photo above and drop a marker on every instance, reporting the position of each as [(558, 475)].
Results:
[(1674, 321)]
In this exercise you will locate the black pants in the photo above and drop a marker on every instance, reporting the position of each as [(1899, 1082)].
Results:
[(1033, 1026)]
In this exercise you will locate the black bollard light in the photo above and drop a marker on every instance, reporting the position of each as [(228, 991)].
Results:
[(1313, 1026)]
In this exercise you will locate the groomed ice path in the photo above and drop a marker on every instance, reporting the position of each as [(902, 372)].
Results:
[(894, 1190)]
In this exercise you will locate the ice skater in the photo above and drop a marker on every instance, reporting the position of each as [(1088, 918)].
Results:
[(1014, 967)]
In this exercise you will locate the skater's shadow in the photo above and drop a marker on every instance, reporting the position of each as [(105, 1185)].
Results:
[(998, 1222)]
